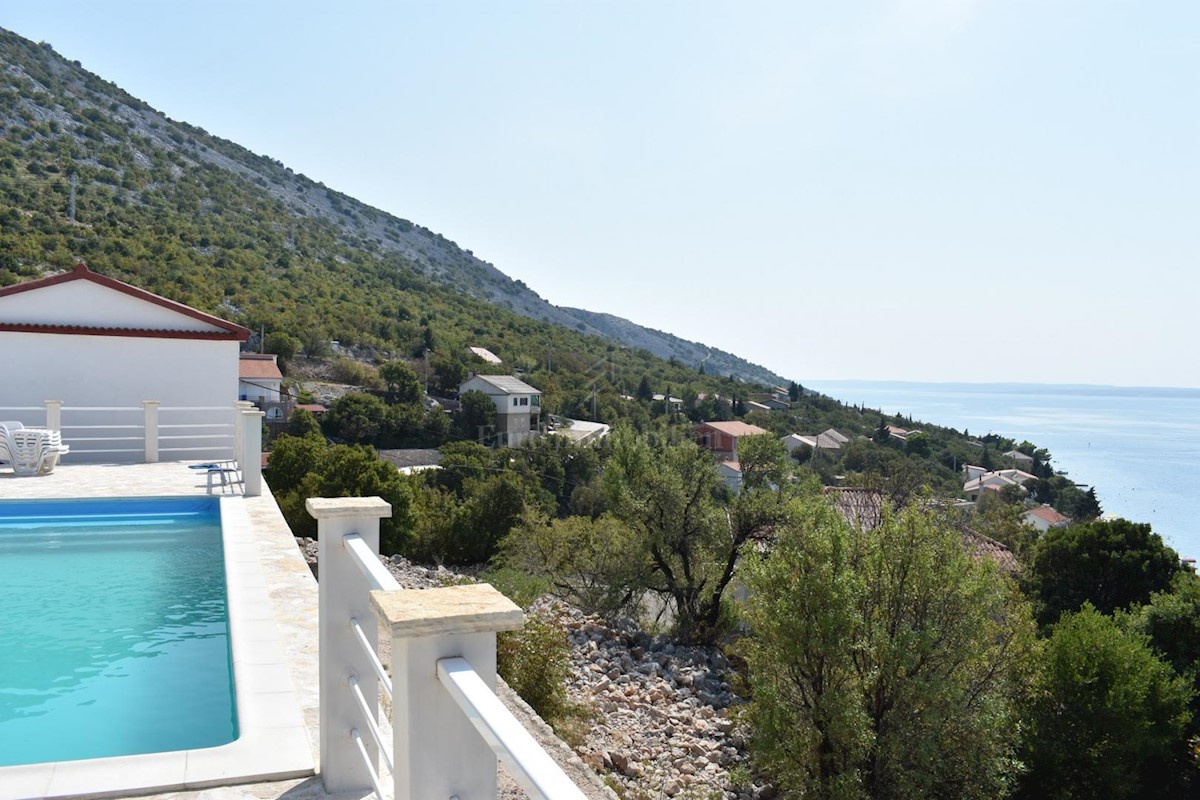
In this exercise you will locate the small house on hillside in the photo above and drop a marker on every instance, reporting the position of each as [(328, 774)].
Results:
[(1045, 518), (485, 355), (1022, 460), (518, 406), (827, 440), (259, 378), (996, 482), (971, 471), (722, 437), (731, 474)]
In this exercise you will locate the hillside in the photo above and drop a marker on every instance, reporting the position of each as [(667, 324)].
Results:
[(168, 205)]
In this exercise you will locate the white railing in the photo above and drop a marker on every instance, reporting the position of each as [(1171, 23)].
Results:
[(448, 727), (146, 433)]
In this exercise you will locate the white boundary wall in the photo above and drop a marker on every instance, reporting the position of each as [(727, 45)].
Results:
[(187, 375)]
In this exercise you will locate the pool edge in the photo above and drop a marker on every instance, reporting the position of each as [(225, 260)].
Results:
[(273, 742)]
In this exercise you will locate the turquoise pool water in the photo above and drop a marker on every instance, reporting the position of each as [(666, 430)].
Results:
[(114, 631)]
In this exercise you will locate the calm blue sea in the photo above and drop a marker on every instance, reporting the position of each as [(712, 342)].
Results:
[(1140, 447)]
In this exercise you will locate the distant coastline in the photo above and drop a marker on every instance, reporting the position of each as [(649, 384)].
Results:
[(1139, 446), (1021, 388)]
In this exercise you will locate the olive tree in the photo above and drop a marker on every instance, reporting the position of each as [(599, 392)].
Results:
[(884, 663)]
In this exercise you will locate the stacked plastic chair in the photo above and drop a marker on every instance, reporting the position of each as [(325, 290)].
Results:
[(33, 451)]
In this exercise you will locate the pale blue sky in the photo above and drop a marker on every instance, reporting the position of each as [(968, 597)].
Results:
[(921, 190)]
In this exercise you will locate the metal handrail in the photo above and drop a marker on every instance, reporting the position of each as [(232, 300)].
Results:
[(378, 578), (385, 682), (527, 762), (372, 725), (366, 759)]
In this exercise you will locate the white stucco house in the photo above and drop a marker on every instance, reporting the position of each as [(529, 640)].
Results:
[(1044, 518), (259, 378), (91, 341), (518, 406)]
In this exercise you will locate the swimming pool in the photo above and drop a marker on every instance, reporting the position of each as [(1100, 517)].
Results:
[(115, 633), (273, 740)]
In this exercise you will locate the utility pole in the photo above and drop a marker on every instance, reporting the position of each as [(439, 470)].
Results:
[(71, 204)]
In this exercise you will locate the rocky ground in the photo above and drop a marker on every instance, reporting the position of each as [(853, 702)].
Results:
[(662, 720)]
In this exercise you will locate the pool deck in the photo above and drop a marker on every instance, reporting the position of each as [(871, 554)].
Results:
[(287, 581)]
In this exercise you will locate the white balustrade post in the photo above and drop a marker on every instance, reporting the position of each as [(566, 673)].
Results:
[(54, 415), (238, 423), (250, 458), (343, 594), (150, 408), (437, 751)]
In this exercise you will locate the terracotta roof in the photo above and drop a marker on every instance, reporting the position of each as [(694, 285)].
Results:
[(980, 546), (735, 428), (1048, 515), (257, 367), (312, 408), (229, 331)]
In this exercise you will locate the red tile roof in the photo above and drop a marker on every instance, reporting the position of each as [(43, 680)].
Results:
[(735, 428), (256, 367), (229, 330), (1049, 515)]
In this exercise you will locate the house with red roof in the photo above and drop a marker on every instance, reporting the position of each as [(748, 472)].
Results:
[(1044, 518), (259, 378), (722, 437)]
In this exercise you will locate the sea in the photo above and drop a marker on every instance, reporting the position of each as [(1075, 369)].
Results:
[(1139, 447)]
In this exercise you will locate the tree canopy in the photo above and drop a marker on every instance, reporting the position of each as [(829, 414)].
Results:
[(883, 664), (1110, 564)]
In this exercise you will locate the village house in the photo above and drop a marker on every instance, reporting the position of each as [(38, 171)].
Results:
[(485, 355), (830, 439), (995, 482), (731, 474), (1044, 518), (259, 378), (722, 437), (518, 406), (1022, 460), (676, 403)]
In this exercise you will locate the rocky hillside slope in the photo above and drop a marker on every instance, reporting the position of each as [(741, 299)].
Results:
[(117, 143)]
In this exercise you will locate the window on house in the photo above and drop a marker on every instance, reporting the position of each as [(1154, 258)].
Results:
[(537, 400), (514, 401), (524, 401)]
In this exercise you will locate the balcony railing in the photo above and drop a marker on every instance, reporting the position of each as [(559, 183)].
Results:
[(151, 432), (448, 726)]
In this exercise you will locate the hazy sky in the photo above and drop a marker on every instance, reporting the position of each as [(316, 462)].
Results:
[(920, 190)]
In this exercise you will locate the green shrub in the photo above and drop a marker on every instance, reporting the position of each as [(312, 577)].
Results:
[(535, 661)]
